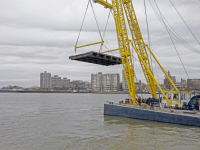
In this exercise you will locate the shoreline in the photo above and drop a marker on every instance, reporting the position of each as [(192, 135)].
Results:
[(4, 91), (118, 92), (8, 91)]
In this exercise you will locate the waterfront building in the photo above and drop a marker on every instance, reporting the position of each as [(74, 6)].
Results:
[(105, 82), (139, 86), (78, 84), (183, 84), (167, 84), (55, 82), (45, 80), (65, 83), (193, 84), (178, 85), (87, 85), (124, 83)]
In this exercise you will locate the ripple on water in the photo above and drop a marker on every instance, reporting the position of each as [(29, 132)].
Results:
[(76, 121)]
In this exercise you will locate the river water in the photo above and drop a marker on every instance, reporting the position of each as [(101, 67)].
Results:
[(76, 121)]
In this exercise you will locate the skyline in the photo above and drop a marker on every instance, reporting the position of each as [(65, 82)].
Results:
[(38, 36)]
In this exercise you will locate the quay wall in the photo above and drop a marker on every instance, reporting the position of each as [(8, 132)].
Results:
[(143, 114)]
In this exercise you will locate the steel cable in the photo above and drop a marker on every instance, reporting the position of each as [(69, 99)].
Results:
[(173, 43), (99, 26), (173, 33), (96, 20), (184, 22), (105, 30), (149, 39), (82, 23)]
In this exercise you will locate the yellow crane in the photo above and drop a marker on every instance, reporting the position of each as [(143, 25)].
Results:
[(119, 7)]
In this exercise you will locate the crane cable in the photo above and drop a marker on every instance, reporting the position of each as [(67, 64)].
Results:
[(105, 31), (149, 39), (82, 23), (106, 24), (96, 20), (98, 26), (148, 32), (154, 63), (184, 22), (174, 33), (173, 42)]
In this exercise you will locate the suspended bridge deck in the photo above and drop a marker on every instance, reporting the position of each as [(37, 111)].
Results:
[(97, 58)]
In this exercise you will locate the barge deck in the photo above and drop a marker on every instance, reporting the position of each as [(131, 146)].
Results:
[(158, 114)]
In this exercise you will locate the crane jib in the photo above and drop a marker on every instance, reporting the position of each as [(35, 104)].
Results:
[(119, 7)]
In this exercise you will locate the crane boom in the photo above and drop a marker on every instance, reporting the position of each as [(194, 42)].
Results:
[(139, 43), (124, 47), (119, 7)]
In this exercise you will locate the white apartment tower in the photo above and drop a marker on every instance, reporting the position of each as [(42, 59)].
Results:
[(105, 82), (45, 80)]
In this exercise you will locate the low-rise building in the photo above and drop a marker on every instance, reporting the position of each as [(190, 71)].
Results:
[(183, 84), (138, 86), (193, 84), (178, 85), (56, 82), (65, 83), (87, 85)]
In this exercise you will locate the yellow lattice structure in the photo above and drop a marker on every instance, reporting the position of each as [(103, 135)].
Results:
[(119, 7)]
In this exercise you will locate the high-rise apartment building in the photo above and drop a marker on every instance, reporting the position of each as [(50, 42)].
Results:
[(55, 82), (45, 80), (124, 83), (105, 82), (65, 83)]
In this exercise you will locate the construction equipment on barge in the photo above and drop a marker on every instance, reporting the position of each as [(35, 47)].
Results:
[(120, 9)]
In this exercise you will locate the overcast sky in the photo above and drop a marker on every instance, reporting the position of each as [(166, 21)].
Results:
[(40, 35)]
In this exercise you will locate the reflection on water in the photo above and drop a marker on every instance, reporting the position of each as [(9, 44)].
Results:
[(76, 121), (154, 135)]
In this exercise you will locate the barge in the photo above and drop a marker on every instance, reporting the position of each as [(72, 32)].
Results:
[(144, 53), (173, 116)]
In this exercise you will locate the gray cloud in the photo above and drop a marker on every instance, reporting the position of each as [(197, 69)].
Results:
[(40, 35)]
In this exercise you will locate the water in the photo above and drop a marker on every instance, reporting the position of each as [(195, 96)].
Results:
[(76, 121)]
